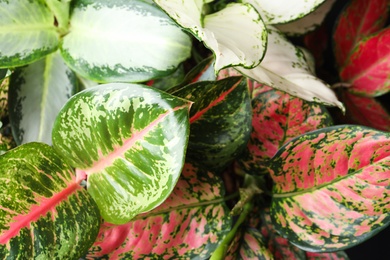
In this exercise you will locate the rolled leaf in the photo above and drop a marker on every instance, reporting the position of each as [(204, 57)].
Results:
[(367, 69), (129, 41), (331, 187), (220, 120), (44, 213), (37, 94), (189, 224), (27, 32), (60, 9), (129, 140)]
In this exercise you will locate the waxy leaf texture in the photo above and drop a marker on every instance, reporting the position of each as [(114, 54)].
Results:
[(188, 225), (331, 187)]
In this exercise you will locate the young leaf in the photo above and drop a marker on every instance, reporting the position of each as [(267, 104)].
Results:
[(280, 11), (129, 140), (129, 41), (359, 19), (27, 32), (60, 9), (220, 120), (37, 94), (331, 187), (44, 213), (222, 32), (367, 69), (284, 67), (189, 224)]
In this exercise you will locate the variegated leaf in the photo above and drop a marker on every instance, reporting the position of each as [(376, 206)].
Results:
[(280, 11), (220, 120), (129, 140), (277, 118), (331, 187), (367, 69), (358, 20), (188, 225), (27, 32), (231, 45), (284, 67), (44, 212), (37, 93), (129, 41)]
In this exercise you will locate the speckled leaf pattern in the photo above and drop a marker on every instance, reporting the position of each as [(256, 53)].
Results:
[(37, 93), (44, 212), (359, 19), (27, 32), (277, 118), (123, 41), (220, 120), (189, 224), (367, 69), (331, 187), (129, 140)]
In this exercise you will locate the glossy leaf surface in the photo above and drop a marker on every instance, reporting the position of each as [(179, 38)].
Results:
[(129, 140), (220, 120), (231, 45), (189, 224), (331, 187), (367, 69), (44, 213), (129, 41), (37, 93), (27, 32), (359, 19)]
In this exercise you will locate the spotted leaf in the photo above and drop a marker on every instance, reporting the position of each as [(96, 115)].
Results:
[(331, 187), (220, 120), (129, 140), (131, 41), (44, 212), (27, 32), (189, 224)]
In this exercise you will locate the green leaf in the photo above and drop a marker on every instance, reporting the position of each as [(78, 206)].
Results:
[(189, 224), (117, 40), (280, 11), (60, 9), (37, 94), (231, 45), (44, 213), (27, 32), (331, 187), (129, 140), (220, 120)]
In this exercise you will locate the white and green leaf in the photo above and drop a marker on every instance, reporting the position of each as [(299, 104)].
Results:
[(126, 41), (27, 32), (37, 94), (222, 32)]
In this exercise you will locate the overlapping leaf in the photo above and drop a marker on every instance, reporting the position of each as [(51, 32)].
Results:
[(37, 94), (27, 32), (367, 69), (189, 224), (359, 19), (331, 187), (129, 41), (44, 212), (220, 120), (129, 140)]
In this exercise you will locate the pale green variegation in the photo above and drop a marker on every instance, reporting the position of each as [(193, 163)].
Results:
[(60, 9), (284, 67), (37, 94), (282, 11), (126, 41), (129, 140), (27, 32), (222, 32)]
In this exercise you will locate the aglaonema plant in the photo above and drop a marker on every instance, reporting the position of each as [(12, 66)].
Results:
[(189, 130)]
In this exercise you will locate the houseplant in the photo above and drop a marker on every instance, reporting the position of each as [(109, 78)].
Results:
[(133, 165)]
